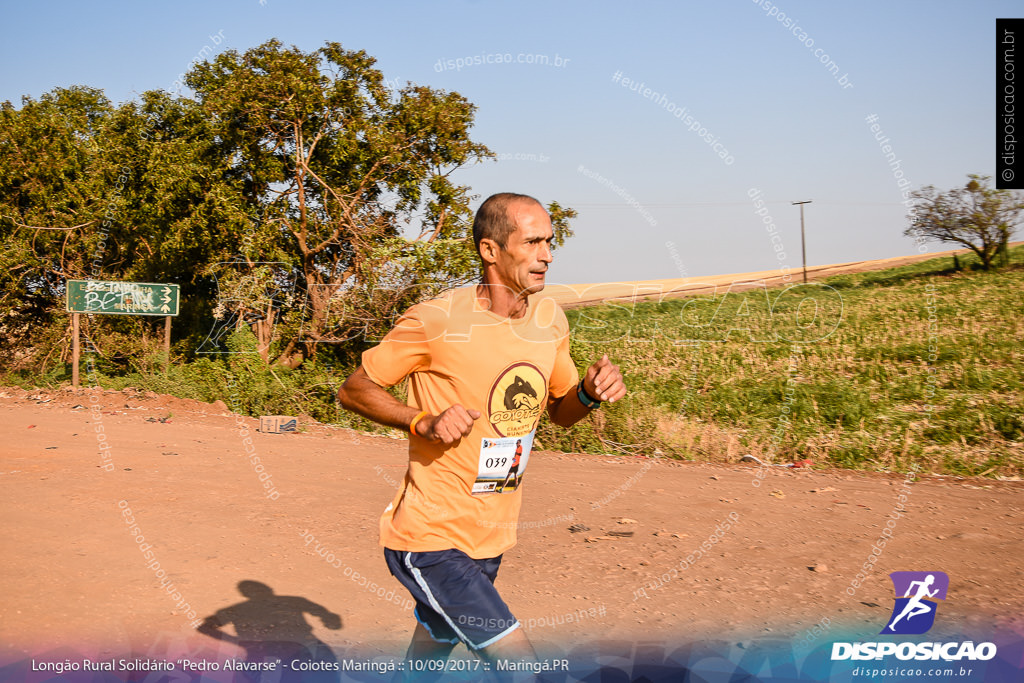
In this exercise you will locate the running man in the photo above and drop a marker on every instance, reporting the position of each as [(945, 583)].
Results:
[(513, 470), (483, 361), (914, 606)]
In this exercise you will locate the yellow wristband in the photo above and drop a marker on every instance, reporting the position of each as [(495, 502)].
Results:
[(412, 425)]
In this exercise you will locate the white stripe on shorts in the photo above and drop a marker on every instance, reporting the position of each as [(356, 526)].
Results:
[(498, 637), (437, 608)]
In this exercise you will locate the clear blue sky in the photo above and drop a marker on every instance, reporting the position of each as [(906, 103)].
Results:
[(925, 69)]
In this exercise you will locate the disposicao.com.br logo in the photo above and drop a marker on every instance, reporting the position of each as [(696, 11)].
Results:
[(913, 614), (915, 608)]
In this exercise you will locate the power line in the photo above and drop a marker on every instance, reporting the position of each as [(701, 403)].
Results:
[(677, 205)]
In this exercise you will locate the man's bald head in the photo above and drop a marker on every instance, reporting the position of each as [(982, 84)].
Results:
[(495, 218)]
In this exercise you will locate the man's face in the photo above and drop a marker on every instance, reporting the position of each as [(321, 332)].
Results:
[(522, 264)]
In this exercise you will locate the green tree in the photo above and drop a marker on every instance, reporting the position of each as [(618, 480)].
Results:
[(185, 205), (341, 170), (337, 165), (52, 196), (87, 190), (976, 216), (296, 191)]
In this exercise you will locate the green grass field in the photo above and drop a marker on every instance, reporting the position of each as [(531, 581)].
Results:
[(918, 364)]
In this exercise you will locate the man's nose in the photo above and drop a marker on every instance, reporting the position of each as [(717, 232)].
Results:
[(545, 253)]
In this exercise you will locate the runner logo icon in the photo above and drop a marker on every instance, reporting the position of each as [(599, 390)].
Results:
[(916, 595)]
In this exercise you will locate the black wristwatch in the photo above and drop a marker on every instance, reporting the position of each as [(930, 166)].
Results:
[(585, 398)]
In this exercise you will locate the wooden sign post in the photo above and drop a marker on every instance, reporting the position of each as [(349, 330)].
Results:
[(167, 343), (120, 298), (76, 350)]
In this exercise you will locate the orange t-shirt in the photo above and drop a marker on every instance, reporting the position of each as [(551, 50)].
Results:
[(455, 351)]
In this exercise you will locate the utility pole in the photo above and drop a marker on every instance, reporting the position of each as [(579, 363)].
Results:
[(803, 242)]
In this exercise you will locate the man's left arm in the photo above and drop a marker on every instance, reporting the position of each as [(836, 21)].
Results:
[(602, 382)]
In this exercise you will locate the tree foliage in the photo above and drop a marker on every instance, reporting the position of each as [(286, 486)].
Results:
[(976, 216), (88, 190), (336, 165), (293, 192), (51, 181)]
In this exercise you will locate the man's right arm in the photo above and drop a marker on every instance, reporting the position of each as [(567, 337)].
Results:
[(363, 396)]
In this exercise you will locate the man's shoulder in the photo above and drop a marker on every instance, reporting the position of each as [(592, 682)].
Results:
[(442, 303), (547, 312), (454, 296), (434, 316)]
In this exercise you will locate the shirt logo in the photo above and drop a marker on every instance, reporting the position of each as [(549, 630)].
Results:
[(516, 399), (914, 612)]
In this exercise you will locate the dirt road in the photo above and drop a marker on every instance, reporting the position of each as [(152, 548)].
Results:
[(130, 518)]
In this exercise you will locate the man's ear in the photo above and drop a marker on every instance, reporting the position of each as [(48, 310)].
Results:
[(489, 250)]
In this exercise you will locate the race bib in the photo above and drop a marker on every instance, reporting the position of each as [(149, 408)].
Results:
[(502, 462)]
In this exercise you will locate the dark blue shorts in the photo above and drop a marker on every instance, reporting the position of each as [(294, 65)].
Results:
[(455, 595)]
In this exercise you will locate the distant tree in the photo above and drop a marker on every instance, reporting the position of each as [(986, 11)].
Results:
[(976, 216)]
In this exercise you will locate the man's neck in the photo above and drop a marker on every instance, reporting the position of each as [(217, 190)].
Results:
[(499, 300)]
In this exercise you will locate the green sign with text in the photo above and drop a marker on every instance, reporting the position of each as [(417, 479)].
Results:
[(124, 298)]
